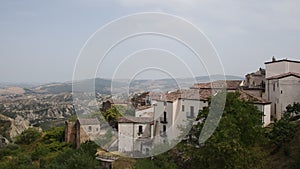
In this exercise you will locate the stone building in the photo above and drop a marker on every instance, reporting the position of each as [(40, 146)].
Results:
[(255, 83), (256, 79), (82, 130), (282, 84), (133, 132)]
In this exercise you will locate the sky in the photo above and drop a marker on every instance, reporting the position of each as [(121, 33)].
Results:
[(40, 41)]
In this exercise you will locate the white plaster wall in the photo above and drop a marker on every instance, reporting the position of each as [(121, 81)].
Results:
[(294, 67), (181, 119), (276, 68), (128, 136), (126, 139), (267, 114), (273, 96), (288, 92), (158, 109)]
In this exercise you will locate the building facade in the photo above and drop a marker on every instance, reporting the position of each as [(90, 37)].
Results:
[(282, 85), (82, 130)]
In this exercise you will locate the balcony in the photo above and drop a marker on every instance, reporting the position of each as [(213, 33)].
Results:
[(190, 115), (163, 120)]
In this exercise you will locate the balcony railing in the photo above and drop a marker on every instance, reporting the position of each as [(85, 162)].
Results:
[(163, 120)]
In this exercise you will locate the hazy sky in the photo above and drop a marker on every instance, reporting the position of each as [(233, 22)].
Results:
[(40, 40)]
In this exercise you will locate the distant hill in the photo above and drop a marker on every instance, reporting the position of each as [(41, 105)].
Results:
[(104, 85)]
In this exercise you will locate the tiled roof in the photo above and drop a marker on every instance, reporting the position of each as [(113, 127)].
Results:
[(284, 75), (249, 97), (143, 107), (89, 121), (189, 94), (205, 93), (132, 119), (220, 84), (157, 95)]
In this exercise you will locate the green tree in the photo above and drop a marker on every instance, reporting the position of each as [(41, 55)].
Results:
[(28, 136), (284, 130), (112, 115), (55, 134), (80, 159)]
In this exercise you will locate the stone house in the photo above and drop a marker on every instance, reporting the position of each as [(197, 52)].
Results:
[(256, 79), (255, 83), (174, 109), (282, 84), (133, 132), (82, 130)]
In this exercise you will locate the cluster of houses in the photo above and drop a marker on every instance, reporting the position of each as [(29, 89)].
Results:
[(158, 115)]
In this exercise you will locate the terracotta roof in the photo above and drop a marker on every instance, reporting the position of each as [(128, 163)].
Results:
[(157, 95), (132, 119), (249, 97), (189, 94), (205, 93), (89, 121), (284, 75), (143, 107), (228, 84)]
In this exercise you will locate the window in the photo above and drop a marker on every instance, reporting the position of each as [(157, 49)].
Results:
[(281, 91), (165, 116), (182, 108), (90, 128), (192, 111), (164, 128), (140, 130), (273, 86), (165, 103), (97, 129)]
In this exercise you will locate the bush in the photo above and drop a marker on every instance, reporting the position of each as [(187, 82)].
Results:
[(28, 136)]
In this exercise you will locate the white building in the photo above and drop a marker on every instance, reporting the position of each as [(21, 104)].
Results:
[(282, 85), (133, 132), (175, 109), (160, 122)]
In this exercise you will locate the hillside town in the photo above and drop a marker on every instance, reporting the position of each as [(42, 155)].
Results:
[(158, 115), (150, 119)]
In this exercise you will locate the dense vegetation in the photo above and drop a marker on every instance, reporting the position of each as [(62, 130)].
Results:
[(35, 150), (238, 142)]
